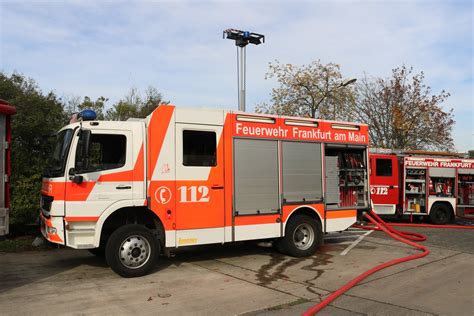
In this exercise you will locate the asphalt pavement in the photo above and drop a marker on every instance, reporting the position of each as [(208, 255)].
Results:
[(250, 278)]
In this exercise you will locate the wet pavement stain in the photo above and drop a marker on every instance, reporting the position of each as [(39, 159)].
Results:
[(279, 264), (317, 263), (265, 277)]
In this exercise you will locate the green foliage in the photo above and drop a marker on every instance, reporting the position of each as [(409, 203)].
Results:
[(16, 245), (135, 105), (122, 111), (403, 113), (97, 105), (38, 115), (75, 105), (470, 153), (315, 90)]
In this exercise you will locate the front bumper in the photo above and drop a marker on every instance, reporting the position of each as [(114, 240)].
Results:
[(52, 228)]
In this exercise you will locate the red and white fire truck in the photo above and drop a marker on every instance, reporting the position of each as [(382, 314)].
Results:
[(433, 186), (6, 111), (184, 177)]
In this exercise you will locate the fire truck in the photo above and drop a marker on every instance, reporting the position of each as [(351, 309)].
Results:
[(419, 185), (6, 111), (182, 177)]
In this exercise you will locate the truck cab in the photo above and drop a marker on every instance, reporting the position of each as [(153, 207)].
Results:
[(100, 163), (384, 183)]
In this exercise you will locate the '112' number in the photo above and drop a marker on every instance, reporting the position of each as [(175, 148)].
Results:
[(194, 194)]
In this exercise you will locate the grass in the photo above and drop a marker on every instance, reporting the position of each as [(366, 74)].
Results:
[(282, 306), (19, 244)]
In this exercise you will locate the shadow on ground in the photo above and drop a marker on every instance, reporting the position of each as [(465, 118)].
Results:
[(19, 269)]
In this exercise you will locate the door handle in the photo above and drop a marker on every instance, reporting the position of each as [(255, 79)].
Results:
[(123, 187), (217, 187)]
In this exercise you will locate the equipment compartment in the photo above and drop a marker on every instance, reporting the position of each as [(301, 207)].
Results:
[(415, 191), (466, 194), (346, 177)]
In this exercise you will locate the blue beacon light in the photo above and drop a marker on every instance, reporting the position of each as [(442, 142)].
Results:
[(87, 115)]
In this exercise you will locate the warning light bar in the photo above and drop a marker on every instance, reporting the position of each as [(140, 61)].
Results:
[(84, 115), (87, 115)]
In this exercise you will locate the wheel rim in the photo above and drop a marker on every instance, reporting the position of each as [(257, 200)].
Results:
[(134, 252), (303, 236)]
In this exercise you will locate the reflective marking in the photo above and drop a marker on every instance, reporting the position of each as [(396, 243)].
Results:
[(345, 251)]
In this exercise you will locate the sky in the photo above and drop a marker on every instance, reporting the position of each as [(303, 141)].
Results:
[(104, 48)]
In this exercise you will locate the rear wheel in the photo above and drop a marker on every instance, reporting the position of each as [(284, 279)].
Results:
[(132, 251), (303, 236), (441, 214)]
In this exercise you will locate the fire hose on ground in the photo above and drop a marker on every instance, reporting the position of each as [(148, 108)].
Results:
[(408, 238)]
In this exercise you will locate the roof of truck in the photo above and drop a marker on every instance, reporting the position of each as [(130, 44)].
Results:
[(6, 108), (416, 153)]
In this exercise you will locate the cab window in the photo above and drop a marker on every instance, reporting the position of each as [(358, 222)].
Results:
[(199, 148), (383, 167), (105, 152)]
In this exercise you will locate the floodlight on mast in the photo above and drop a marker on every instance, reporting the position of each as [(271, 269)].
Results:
[(242, 39)]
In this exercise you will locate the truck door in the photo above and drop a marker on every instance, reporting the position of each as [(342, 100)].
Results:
[(107, 178), (199, 184), (384, 188)]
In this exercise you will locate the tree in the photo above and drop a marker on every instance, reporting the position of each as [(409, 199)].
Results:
[(74, 105), (98, 106), (153, 98), (71, 104), (402, 113), (121, 111), (134, 105), (313, 90), (38, 115)]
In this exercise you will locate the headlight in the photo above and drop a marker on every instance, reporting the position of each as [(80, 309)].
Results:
[(52, 230)]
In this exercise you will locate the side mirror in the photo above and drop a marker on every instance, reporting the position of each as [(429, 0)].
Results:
[(75, 178)]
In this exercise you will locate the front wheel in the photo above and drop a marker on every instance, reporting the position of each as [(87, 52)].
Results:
[(441, 214), (303, 236), (132, 251)]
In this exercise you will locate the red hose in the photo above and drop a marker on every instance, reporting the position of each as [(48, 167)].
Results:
[(415, 225), (397, 235), (419, 225), (408, 235)]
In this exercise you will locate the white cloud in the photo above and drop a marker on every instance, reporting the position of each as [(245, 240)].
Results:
[(92, 48)]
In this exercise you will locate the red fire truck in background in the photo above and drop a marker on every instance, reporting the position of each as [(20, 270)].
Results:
[(6, 111), (433, 186)]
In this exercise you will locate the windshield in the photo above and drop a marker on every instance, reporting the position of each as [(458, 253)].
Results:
[(57, 162)]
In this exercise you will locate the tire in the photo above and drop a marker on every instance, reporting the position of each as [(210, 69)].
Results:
[(303, 236), (98, 252), (441, 214), (141, 255)]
